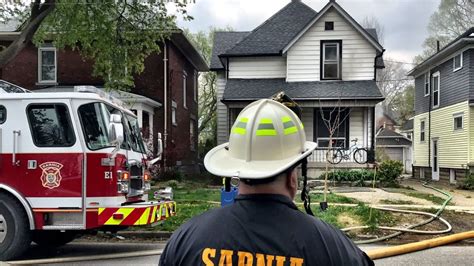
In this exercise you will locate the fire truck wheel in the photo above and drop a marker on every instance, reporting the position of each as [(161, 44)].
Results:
[(15, 234), (53, 238)]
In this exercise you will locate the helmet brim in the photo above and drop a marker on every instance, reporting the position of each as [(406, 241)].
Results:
[(220, 163)]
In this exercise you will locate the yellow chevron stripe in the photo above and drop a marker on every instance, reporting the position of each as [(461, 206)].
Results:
[(144, 218), (153, 216), (125, 211), (101, 210)]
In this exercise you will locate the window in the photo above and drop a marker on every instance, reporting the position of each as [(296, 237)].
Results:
[(95, 119), (331, 60), (195, 85), (3, 114), (422, 130), (173, 113), (436, 88), (321, 132), (329, 25), (47, 64), (427, 83), (457, 62), (184, 90), (50, 125), (458, 121), (192, 135)]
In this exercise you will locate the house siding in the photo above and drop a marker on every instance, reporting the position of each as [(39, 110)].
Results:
[(356, 125), (454, 86), (303, 58), (257, 67), (453, 145), (222, 111), (307, 118)]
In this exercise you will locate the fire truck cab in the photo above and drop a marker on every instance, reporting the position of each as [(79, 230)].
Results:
[(70, 163)]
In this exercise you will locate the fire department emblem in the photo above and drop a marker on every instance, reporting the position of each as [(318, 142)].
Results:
[(51, 176)]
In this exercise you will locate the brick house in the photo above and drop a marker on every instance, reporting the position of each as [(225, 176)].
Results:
[(176, 69)]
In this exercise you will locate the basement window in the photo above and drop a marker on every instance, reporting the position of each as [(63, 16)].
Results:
[(329, 25)]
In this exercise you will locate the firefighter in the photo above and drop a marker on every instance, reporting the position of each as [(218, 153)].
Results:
[(263, 226)]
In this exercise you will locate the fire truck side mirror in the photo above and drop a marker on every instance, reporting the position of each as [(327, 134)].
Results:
[(115, 130), (159, 146)]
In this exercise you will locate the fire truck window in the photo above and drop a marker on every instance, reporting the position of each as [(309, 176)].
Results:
[(3, 114), (51, 125), (95, 120)]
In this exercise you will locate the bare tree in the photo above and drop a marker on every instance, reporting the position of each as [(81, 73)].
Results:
[(371, 22)]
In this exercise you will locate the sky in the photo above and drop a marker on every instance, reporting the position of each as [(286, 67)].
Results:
[(404, 21)]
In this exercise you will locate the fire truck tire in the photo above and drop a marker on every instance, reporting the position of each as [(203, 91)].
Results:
[(15, 234), (53, 238)]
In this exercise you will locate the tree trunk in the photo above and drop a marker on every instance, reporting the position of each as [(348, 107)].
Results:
[(38, 14)]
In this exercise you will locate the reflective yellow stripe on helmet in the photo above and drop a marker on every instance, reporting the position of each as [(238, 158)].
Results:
[(288, 126), (266, 128), (240, 126)]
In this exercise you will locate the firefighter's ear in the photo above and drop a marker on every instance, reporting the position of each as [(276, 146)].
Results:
[(292, 182)]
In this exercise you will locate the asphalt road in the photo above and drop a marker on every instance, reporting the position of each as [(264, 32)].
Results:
[(448, 255)]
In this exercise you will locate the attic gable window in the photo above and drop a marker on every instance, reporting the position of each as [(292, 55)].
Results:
[(47, 65), (329, 25), (331, 59)]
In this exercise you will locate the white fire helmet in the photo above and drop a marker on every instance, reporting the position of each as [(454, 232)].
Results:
[(266, 139)]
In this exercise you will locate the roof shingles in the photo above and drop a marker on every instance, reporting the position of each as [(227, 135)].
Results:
[(253, 89)]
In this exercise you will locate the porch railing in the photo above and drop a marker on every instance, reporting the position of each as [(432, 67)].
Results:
[(320, 156)]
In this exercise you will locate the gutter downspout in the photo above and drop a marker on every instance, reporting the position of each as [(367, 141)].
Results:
[(429, 120), (165, 101), (372, 141)]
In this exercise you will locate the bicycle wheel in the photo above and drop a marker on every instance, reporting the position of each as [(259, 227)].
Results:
[(334, 156), (360, 155)]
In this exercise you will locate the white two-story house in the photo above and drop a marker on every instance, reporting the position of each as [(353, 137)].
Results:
[(323, 60)]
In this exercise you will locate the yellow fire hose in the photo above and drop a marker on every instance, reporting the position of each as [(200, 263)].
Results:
[(417, 246)]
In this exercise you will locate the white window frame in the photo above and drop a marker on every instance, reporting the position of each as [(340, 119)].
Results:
[(40, 63), (436, 75), (423, 130), (426, 83), (173, 113), (185, 76), (338, 60), (458, 115), (460, 61), (195, 85)]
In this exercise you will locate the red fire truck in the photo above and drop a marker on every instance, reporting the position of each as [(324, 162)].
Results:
[(70, 163)]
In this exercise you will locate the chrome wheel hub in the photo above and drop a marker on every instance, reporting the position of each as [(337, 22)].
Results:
[(3, 228)]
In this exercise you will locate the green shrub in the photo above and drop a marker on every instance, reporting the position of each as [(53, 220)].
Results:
[(358, 176), (170, 174), (468, 183), (389, 171)]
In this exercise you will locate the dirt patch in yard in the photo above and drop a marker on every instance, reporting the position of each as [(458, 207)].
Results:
[(460, 222), (378, 196)]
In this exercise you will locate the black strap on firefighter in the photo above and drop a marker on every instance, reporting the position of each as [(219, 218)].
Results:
[(284, 99), (305, 191)]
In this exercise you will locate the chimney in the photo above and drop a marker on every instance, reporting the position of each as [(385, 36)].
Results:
[(437, 45)]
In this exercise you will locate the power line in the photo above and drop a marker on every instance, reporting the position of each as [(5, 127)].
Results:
[(400, 62)]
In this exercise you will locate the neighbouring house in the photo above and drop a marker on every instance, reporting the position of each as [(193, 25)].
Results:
[(394, 146), (443, 125), (407, 129), (324, 60), (170, 79)]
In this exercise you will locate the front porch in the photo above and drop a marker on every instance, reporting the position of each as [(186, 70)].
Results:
[(351, 126)]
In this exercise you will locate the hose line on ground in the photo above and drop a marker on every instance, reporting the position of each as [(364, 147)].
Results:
[(410, 229)]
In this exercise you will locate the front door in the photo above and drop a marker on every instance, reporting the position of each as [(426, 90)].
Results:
[(435, 164)]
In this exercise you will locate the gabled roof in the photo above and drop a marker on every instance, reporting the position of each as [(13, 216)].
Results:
[(388, 137), (253, 89), (224, 40), (338, 8), (276, 32), (453, 46)]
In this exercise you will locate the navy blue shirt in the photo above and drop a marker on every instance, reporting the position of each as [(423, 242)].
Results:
[(260, 229)]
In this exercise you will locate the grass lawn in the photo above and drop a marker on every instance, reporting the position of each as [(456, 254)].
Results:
[(429, 197), (193, 199)]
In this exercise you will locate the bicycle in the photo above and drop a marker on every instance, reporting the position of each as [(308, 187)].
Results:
[(335, 155)]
